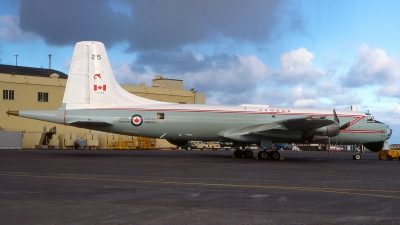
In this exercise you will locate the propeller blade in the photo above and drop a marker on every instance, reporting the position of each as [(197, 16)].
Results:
[(344, 126), (336, 117)]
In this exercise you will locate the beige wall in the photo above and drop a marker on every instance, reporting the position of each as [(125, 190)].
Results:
[(26, 90)]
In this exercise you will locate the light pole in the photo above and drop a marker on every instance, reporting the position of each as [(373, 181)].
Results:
[(49, 61)]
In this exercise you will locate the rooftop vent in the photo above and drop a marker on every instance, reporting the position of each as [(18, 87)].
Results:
[(54, 75)]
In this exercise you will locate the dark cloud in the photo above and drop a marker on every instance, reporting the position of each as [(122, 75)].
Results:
[(62, 22), (180, 62), (168, 24), (155, 25), (216, 75)]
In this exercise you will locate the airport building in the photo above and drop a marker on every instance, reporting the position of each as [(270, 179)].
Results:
[(27, 88)]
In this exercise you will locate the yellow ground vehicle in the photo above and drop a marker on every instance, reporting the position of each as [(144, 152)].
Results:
[(389, 154)]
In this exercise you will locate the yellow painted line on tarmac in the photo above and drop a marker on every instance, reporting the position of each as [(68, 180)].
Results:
[(344, 191)]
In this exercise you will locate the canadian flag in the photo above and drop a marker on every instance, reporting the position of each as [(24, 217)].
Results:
[(100, 87)]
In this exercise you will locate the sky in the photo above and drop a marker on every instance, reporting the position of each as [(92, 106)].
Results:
[(292, 53)]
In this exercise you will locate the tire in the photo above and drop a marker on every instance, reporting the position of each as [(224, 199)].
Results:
[(238, 154), (356, 156), (275, 155), (262, 155), (204, 147), (189, 148), (248, 154)]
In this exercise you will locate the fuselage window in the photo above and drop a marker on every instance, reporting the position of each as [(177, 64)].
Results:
[(160, 116)]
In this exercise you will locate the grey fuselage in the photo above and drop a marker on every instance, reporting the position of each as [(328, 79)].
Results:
[(218, 123)]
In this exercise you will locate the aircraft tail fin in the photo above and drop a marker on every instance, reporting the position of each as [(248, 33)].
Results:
[(91, 83)]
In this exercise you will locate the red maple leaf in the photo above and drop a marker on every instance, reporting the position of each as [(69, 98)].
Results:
[(136, 120)]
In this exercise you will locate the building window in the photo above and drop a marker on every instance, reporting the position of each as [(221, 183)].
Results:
[(43, 97), (8, 94)]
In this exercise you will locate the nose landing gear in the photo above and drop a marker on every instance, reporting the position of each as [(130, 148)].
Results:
[(357, 155)]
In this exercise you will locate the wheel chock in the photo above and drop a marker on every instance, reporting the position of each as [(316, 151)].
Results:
[(281, 159)]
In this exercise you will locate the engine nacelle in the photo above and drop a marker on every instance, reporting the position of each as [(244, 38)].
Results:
[(330, 130), (319, 138)]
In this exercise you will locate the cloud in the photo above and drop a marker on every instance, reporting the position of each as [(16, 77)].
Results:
[(231, 79), (390, 91), (158, 25), (297, 96), (10, 31), (372, 67), (296, 67), (180, 62), (240, 74), (346, 99), (61, 22), (167, 25)]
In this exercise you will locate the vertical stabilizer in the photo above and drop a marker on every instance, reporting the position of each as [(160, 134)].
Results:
[(91, 83)]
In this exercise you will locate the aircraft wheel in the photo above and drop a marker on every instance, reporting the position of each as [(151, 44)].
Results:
[(356, 156), (188, 148), (389, 157), (275, 155), (238, 153), (262, 155), (248, 154), (204, 147)]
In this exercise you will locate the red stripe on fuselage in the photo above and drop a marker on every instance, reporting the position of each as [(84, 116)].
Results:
[(228, 112)]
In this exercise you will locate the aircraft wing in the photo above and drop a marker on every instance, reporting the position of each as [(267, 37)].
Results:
[(96, 123), (305, 123), (289, 126)]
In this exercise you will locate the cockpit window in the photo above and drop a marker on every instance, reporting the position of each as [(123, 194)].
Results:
[(370, 119)]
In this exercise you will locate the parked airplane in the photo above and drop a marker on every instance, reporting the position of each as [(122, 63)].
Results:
[(94, 100)]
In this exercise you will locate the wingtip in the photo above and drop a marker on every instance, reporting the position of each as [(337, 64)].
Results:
[(13, 113)]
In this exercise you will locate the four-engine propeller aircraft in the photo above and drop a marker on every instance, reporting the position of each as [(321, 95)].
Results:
[(94, 100)]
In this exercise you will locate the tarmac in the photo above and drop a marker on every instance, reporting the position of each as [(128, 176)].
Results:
[(196, 187)]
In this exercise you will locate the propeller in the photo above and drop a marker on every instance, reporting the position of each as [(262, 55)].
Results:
[(337, 121)]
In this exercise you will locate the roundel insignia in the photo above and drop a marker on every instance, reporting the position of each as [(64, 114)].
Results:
[(136, 120)]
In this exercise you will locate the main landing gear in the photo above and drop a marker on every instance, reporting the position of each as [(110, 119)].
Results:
[(263, 154)]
